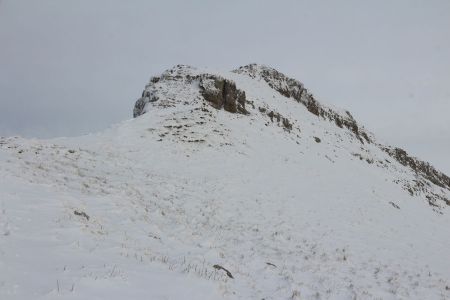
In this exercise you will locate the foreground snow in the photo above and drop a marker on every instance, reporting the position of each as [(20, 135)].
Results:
[(146, 209)]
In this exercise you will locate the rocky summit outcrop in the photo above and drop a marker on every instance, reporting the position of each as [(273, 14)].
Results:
[(221, 92), (257, 91)]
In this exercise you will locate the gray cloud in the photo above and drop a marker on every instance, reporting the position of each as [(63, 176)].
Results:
[(72, 67)]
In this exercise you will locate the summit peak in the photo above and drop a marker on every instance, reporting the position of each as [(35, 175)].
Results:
[(263, 97)]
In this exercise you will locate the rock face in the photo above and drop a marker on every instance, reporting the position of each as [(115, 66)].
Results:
[(420, 167), (146, 97), (216, 90), (139, 107), (222, 92)]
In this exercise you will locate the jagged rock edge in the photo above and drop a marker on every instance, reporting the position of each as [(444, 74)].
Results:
[(292, 88)]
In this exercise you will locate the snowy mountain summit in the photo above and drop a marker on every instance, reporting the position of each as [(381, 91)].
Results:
[(261, 93), (224, 185)]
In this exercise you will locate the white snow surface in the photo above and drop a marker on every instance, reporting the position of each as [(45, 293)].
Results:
[(145, 209)]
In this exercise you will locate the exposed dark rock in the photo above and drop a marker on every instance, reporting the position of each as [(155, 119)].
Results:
[(358, 155), (287, 125), (271, 114), (426, 175), (317, 139), (218, 267), (155, 79), (222, 92), (292, 88), (251, 103), (420, 167), (139, 106), (394, 205), (81, 214), (219, 92), (365, 136)]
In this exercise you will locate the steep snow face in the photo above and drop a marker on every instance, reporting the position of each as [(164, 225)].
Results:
[(199, 199)]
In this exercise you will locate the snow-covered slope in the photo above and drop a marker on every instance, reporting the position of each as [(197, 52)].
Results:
[(226, 185)]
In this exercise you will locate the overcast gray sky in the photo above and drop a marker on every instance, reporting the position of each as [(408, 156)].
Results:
[(73, 67)]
